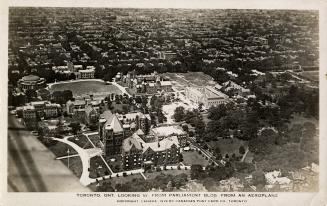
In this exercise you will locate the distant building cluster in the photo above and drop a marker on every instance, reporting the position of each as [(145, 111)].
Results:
[(34, 111), (86, 110), (144, 84), (77, 70)]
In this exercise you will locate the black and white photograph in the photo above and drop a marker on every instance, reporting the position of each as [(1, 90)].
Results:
[(111, 100)]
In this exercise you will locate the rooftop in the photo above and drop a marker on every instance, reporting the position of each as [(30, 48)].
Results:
[(31, 78)]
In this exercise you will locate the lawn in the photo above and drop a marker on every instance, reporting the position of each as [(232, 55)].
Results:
[(95, 139), (117, 180), (86, 87), (98, 167), (193, 157), (60, 149), (116, 165), (75, 165), (81, 141), (300, 119), (152, 175)]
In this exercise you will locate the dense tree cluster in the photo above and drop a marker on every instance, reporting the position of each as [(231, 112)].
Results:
[(217, 173), (194, 118)]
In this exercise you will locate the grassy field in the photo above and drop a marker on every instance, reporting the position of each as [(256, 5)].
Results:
[(81, 141), (86, 87), (118, 180), (60, 149), (300, 119), (193, 157), (152, 175), (75, 165), (181, 80), (98, 167)]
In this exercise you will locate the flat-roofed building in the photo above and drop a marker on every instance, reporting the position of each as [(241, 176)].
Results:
[(87, 73)]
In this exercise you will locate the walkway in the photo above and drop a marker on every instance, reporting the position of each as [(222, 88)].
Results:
[(85, 158), (123, 89), (105, 162), (65, 157), (244, 156)]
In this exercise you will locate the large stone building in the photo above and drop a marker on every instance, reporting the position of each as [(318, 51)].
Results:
[(31, 82), (114, 128), (35, 111), (208, 96), (136, 152), (30, 117), (144, 84), (163, 132), (87, 73)]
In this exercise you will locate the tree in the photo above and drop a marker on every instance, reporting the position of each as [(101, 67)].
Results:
[(200, 106), (197, 172), (258, 178), (179, 114), (180, 158), (76, 127), (241, 150), (215, 113), (185, 127)]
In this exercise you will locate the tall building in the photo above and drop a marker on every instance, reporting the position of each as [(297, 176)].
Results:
[(114, 128), (30, 117), (111, 133)]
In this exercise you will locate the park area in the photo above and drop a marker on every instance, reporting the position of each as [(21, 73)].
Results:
[(182, 80), (95, 87)]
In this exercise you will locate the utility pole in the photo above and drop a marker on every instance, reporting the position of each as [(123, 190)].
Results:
[(68, 156)]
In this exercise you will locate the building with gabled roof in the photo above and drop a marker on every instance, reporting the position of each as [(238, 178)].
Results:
[(208, 96), (136, 151), (114, 128)]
